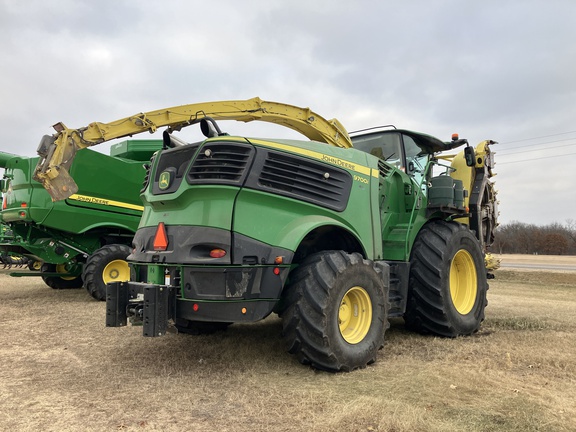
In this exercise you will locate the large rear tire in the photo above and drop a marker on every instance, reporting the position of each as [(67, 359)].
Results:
[(105, 265), (336, 311), (448, 284), (57, 282)]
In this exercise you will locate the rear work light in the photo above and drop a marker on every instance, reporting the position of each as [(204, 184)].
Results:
[(161, 238)]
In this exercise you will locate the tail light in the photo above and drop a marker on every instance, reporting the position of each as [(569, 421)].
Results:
[(217, 253)]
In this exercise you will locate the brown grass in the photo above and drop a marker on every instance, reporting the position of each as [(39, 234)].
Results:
[(63, 370), (539, 259)]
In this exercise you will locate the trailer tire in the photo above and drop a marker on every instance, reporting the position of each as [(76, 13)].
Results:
[(56, 282), (448, 282), (107, 264), (336, 311)]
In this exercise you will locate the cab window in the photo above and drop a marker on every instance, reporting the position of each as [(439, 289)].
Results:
[(416, 159), (386, 146)]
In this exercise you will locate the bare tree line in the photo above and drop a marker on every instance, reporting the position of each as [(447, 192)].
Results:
[(522, 238)]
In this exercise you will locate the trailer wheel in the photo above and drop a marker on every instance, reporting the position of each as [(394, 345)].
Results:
[(56, 282), (448, 283), (336, 311), (105, 265)]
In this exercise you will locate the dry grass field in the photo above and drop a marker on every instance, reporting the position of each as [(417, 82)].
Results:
[(62, 370)]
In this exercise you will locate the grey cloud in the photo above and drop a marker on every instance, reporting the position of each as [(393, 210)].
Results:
[(492, 69)]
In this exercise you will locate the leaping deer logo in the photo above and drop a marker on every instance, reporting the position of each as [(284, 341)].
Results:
[(164, 181)]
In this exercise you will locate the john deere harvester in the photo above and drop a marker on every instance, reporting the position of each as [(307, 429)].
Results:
[(85, 239), (336, 235)]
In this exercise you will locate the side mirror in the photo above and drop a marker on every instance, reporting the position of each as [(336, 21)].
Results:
[(3, 185), (469, 156)]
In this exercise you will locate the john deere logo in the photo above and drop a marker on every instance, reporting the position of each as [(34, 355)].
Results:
[(164, 182)]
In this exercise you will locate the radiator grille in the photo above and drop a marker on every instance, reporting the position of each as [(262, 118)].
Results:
[(309, 181), (220, 163)]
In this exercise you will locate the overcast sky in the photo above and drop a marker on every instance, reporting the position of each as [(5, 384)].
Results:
[(501, 70)]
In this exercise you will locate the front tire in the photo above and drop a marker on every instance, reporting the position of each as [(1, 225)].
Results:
[(336, 311), (105, 265), (448, 284)]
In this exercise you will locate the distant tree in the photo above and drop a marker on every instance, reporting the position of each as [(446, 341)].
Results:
[(554, 244), (552, 239), (571, 228)]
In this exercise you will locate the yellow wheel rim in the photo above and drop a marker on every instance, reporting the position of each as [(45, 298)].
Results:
[(463, 288), (116, 271), (37, 265), (61, 268), (355, 315)]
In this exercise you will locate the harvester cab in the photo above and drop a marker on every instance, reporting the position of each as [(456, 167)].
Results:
[(460, 184)]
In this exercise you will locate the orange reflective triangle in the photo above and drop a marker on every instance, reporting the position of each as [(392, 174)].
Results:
[(161, 239)]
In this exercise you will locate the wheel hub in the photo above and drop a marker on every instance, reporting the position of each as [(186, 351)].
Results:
[(63, 268), (116, 271), (355, 315), (463, 280)]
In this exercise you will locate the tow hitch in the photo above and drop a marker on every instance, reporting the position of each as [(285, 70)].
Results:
[(151, 306)]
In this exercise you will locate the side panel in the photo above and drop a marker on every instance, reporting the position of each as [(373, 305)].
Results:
[(284, 222), (108, 195), (291, 190), (210, 206), (402, 212)]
